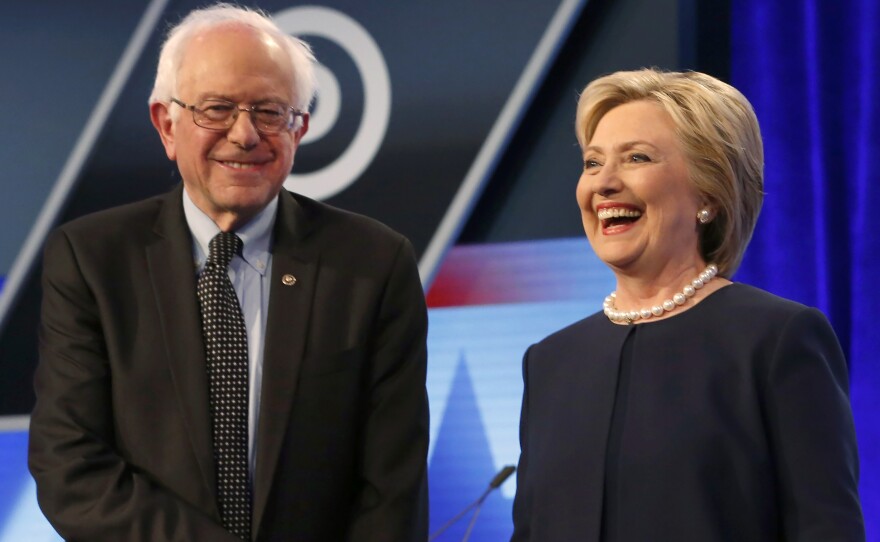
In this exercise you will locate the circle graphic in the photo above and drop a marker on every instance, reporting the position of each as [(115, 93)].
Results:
[(354, 39), (326, 110)]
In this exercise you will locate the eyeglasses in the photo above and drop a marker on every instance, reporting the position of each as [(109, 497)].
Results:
[(268, 117)]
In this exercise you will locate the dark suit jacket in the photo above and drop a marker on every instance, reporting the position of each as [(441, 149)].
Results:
[(733, 425), (120, 436)]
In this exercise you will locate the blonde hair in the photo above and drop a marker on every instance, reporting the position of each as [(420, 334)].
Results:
[(719, 134), (301, 57)]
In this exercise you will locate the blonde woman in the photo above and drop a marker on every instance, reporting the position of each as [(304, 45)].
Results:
[(689, 407)]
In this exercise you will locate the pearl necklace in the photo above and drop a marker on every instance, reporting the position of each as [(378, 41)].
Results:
[(669, 305)]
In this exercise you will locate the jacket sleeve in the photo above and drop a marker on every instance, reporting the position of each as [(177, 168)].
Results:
[(812, 433), (391, 504), (85, 486), (521, 502)]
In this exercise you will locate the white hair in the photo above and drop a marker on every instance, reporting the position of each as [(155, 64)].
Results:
[(301, 57)]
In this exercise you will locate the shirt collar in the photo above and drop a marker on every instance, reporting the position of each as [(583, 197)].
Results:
[(256, 235)]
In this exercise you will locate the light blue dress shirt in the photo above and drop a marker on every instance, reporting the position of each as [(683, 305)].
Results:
[(250, 274)]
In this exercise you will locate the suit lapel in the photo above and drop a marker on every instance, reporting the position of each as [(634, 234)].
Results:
[(172, 273), (294, 256)]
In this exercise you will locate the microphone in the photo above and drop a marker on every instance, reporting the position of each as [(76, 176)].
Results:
[(496, 482), (502, 475)]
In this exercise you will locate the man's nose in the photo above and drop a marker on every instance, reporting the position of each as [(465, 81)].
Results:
[(243, 131)]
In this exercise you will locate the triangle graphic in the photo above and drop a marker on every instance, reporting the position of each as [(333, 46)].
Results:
[(462, 467)]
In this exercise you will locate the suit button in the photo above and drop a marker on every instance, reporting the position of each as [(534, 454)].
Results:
[(288, 280)]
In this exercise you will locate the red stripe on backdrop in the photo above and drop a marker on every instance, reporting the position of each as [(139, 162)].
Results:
[(521, 272)]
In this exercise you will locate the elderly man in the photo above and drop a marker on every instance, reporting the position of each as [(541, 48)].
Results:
[(231, 361)]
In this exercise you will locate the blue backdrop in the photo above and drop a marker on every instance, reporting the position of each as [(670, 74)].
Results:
[(810, 69)]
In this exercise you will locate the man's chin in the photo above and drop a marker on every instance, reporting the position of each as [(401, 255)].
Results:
[(247, 198), (232, 213)]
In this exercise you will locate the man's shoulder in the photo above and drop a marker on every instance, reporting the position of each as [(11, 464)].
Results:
[(327, 220), (126, 216), (113, 230)]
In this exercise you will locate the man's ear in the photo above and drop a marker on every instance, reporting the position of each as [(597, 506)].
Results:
[(301, 131), (161, 118)]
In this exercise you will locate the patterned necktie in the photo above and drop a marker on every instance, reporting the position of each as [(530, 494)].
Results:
[(225, 337)]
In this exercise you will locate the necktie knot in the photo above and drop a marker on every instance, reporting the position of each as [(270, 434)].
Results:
[(223, 247)]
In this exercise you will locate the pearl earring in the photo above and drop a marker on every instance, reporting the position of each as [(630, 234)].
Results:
[(703, 216)]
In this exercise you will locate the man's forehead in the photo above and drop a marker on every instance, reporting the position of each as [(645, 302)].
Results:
[(227, 57), (230, 34)]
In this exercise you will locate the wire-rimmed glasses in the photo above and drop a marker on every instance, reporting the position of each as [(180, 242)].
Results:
[(268, 117)]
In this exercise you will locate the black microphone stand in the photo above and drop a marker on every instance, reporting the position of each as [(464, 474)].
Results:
[(499, 479)]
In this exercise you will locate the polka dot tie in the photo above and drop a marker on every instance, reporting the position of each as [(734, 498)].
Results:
[(225, 337)]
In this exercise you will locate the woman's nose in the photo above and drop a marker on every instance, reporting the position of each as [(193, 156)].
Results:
[(606, 180)]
